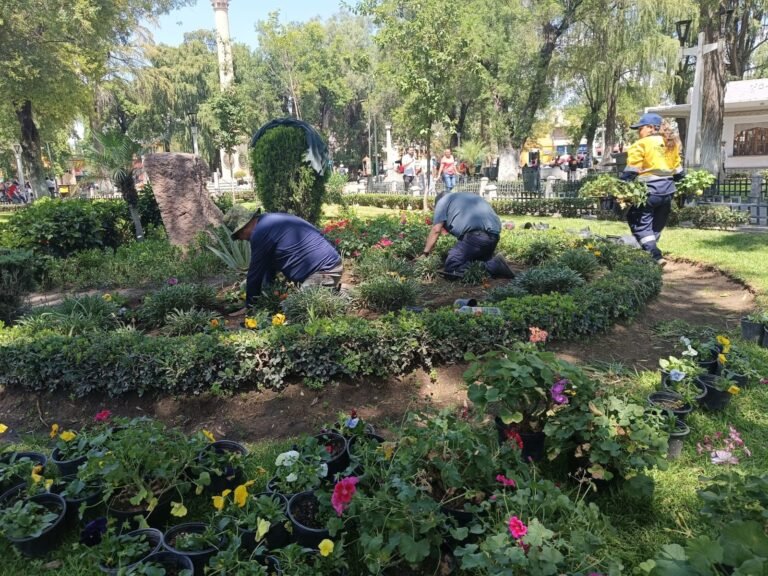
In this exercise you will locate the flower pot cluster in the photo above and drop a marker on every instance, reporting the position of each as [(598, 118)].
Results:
[(754, 328), (706, 373)]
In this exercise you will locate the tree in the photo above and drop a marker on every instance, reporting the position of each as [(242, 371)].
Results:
[(227, 117), (114, 156)]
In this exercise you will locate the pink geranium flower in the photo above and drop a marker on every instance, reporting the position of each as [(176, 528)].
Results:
[(103, 416), (517, 528), (343, 492), (504, 481), (537, 335)]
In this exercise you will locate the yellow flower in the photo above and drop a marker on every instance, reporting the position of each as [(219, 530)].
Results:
[(590, 246), (48, 484), (389, 449), (721, 358), (242, 295), (208, 434), (734, 389), (241, 495), (36, 478), (107, 297), (67, 436), (54, 431), (723, 340), (251, 323), (215, 323), (278, 319), (326, 547), (218, 502), (3, 428), (598, 253), (262, 527)]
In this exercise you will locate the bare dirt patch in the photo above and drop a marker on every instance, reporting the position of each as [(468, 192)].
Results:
[(695, 294)]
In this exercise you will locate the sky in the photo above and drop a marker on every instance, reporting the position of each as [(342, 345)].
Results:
[(243, 15)]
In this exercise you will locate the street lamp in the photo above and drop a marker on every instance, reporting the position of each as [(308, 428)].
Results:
[(683, 28), (19, 166), (193, 123)]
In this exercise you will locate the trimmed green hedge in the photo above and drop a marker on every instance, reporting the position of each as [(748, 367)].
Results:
[(567, 207), (323, 351)]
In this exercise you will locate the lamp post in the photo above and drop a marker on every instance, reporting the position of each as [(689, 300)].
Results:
[(19, 165), (193, 124)]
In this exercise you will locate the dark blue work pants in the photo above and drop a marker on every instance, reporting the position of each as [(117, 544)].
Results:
[(472, 247), (647, 222)]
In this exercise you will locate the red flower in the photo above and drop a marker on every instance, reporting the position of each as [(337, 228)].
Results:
[(353, 413), (384, 242), (505, 481), (513, 435), (329, 449), (428, 221), (342, 493), (103, 416)]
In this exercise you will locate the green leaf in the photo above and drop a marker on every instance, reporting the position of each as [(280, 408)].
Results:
[(412, 550), (511, 418)]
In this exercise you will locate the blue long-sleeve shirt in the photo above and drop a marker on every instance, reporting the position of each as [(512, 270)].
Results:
[(286, 243)]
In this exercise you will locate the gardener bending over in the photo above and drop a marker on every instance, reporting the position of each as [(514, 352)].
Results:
[(286, 243), (471, 219)]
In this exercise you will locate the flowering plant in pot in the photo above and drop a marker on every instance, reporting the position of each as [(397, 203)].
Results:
[(30, 518), (260, 519), (740, 368), (524, 386), (719, 387), (114, 551), (219, 463), (299, 471), (678, 369), (72, 448), (139, 481), (163, 563), (18, 467), (327, 557), (197, 541), (236, 559)]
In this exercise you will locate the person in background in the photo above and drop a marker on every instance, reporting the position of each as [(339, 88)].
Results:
[(409, 168), (447, 170), (285, 243), (654, 160), (472, 220)]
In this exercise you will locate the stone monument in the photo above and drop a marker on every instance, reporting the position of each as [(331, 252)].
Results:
[(178, 182)]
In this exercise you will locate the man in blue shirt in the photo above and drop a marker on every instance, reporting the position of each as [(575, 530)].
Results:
[(286, 243), (471, 219)]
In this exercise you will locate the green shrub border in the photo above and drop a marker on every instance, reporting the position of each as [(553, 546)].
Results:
[(567, 207), (318, 353)]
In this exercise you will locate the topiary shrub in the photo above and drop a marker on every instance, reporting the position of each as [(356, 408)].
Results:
[(284, 181), (17, 279)]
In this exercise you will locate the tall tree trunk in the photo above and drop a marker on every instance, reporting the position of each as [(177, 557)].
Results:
[(610, 118), (590, 130), (30, 149), (461, 120), (131, 196), (136, 218), (713, 89)]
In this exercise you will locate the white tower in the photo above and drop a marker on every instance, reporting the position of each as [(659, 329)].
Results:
[(226, 71)]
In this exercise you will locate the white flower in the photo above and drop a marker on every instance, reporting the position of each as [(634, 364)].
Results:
[(287, 459), (292, 477), (676, 375), (723, 457), (322, 470), (690, 352), (686, 342), (352, 422)]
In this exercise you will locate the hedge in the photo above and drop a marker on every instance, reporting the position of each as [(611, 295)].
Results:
[(567, 207), (320, 352)]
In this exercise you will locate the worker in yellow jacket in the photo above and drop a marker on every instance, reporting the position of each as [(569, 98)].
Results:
[(654, 159)]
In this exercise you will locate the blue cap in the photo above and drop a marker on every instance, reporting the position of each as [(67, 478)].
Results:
[(647, 119)]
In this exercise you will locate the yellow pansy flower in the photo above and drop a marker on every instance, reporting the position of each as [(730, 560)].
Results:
[(3, 428), (36, 478), (278, 319), (208, 434), (48, 484), (598, 253), (325, 547), (214, 323), (262, 527), (721, 358), (107, 297), (251, 323), (389, 449), (241, 495), (218, 502), (67, 435), (54, 431), (734, 389)]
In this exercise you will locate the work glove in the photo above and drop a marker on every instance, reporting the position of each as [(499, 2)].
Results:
[(679, 176)]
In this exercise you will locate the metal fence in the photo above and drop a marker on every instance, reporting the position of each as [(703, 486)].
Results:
[(516, 189)]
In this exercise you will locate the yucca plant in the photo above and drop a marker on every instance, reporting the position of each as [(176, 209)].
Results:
[(236, 254)]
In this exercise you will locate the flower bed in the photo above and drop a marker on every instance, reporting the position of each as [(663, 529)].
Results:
[(82, 360)]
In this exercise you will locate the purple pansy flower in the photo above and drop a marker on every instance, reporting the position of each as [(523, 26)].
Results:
[(557, 392)]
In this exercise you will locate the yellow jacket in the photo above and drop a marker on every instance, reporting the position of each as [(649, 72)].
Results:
[(651, 160)]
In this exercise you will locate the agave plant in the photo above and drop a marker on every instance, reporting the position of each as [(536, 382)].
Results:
[(236, 254)]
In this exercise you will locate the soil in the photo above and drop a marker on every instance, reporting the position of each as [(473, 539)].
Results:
[(695, 294), (305, 513)]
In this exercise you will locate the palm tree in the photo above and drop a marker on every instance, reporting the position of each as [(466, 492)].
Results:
[(112, 155)]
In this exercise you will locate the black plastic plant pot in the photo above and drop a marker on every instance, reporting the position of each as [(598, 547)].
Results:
[(714, 400), (751, 331), (305, 504), (533, 446), (91, 499), (157, 518), (339, 455), (273, 566), (676, 439), (666, 399), (67, 467), (277, 536), (232, 477), (172, 563), (664, 378), (273, 487), (199, 558), (741, 380), (52, 536), (154, 538), (711, 366), (764, 340), (6, 458), (9, 497)]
